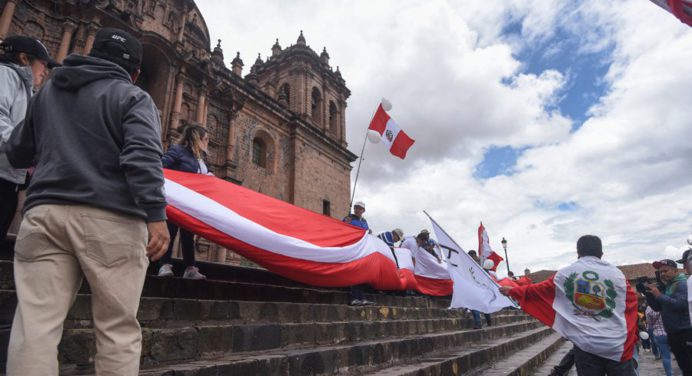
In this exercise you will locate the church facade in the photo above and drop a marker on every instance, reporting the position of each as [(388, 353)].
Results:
[(279, 129)]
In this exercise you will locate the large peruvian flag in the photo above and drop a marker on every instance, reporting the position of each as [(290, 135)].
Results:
[(393, 137), (590, 303), (485, 252), (290, 241), (682, 9)]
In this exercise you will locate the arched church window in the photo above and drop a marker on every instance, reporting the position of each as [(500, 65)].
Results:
[(285, 93), (333, 113), (316, 105), (259, 152)]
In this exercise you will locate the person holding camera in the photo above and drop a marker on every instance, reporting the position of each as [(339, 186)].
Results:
[(671, 300)]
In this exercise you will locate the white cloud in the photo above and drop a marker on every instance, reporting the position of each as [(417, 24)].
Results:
[(458, 88)]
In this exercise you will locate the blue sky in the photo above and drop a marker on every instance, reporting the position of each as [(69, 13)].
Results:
[(585, 85), (497, 95)]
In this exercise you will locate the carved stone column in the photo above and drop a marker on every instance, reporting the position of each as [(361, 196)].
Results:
[(6, 18), (183, 21), (91, 36), (202, 105), (68, 28), (178, 102)]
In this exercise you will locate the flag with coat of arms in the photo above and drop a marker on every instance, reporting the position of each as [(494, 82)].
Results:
[(590, 303), (396, 140)]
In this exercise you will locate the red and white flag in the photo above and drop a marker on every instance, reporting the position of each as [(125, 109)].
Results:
[(485, 252), (682, 9), (393, 137), (290, 241), (590, 303)]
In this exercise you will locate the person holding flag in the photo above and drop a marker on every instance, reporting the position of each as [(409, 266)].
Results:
[(591, 304), (391, 237)]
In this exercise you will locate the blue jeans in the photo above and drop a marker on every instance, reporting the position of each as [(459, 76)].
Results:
[(477, 319), (654, 346), (664, 349)]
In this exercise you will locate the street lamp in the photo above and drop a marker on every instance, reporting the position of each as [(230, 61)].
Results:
[(504, 245)]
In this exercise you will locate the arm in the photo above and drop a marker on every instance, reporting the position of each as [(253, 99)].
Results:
[(171, 157), (10, 85), (21, 146), (140, 158), (652, 302), (678, 301), (536, 299)]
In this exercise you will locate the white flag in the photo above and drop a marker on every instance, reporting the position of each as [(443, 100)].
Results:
[(473, 287)]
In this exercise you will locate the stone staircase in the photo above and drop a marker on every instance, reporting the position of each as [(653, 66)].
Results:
[(251, 322)]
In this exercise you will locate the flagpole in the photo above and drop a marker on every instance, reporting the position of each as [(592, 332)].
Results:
[(362, 151), (466, 254), (455, 243)]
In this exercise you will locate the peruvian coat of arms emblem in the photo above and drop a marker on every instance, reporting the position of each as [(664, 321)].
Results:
[(389, 134), (589, 295)]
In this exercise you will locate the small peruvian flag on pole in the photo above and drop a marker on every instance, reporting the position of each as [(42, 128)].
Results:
[(485, 251), (392, 136)]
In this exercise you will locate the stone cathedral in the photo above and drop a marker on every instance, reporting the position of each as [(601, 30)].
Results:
[(277, 128)]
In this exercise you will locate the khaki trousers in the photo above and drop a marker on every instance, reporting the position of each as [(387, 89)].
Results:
[(58, 245)]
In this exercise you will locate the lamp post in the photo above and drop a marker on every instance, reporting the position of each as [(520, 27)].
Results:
[(504, 245)]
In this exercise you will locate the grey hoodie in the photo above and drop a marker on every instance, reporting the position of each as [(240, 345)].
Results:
[(96, 138), (15, 91)]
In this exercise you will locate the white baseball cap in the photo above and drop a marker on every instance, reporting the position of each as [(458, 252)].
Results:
[(359, 203), (399, 233)]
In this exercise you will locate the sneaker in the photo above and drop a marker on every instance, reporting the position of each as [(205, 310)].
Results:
[(166, 270), (356, 302), (192, 272), (368, 303)]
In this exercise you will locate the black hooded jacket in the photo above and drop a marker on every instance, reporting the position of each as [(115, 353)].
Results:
[(97, 140)]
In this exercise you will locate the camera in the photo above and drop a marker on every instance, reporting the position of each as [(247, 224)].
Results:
[(642, 282)]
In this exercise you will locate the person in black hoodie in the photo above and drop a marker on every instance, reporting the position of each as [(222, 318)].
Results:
[(95, 207), (187, 155)]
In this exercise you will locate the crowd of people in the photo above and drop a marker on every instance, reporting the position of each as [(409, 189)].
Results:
[(95, 209)]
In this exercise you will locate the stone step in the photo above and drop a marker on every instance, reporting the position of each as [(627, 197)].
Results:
[(526, 361), (160, 345), (249, 291), (554, 359), (465, 360), (355, 358), (162, 311)]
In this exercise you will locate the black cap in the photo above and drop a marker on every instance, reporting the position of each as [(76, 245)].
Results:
[(30, 46), (666, 262), (685, 257), (117, 46)]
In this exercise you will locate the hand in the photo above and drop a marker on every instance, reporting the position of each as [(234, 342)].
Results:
[(653, 290), (158, 240), (504, 290)]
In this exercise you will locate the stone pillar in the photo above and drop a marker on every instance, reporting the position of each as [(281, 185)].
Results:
[(183, 21), (91, 36), (68, 28), (6, 18), (178, 102), (221, 255), (202, 104), (230, 143)]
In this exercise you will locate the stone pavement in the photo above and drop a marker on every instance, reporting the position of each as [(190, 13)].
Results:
[(648, 366)]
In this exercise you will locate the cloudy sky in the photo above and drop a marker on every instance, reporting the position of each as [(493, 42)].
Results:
[(545, 119)]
